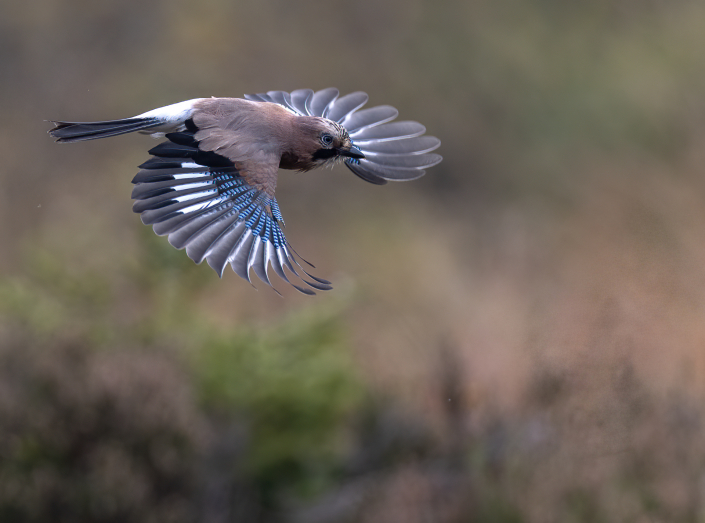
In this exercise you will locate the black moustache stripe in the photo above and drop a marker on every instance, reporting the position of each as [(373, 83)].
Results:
[(324, 154)]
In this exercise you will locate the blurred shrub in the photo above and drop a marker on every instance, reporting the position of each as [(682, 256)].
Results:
[(293, 388), (227, 424), (94, 436), (271, 424)]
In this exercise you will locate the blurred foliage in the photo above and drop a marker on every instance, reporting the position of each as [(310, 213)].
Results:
[(94, 436), (274, 424), (295, 387), (77, 400)]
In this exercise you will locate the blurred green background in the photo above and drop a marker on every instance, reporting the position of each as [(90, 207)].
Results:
[(519, 336)]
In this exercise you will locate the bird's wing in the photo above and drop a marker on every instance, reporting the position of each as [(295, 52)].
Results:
[(395, 151), (220, 211)]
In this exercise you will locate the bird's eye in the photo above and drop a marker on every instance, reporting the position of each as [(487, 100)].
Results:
[(327, 139)]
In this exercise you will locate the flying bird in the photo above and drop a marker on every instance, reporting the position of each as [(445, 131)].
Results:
[(210, 186)]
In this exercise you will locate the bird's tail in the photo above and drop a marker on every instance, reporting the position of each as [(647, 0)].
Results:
[(78, 131)]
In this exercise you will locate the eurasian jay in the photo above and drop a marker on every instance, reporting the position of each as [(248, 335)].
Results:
[(210, 186)]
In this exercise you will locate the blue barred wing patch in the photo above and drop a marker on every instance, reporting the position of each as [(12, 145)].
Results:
[(202, 203)]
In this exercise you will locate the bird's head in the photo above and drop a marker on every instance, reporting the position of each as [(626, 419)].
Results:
[(327, 142)]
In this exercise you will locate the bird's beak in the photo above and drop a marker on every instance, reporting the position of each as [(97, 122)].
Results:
[(353, 152)]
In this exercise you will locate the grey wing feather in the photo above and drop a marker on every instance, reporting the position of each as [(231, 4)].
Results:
[(158, 214), (361, 172), (183, 236), (259, 262), (172, 221), (241, 254), (299, 100), (411, 161), (276, 257), (282, 98), (385, 172), (369, 117), (200, 243), (261, 97), (346, 105), (388, 131), (221, 249), (178, 220), (321, 100), (187, 194), (415, 145), (143, 191)]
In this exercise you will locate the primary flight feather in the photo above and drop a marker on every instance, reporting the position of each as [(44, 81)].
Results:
[(210, 187)]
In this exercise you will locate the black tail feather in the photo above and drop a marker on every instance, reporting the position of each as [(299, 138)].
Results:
[(78, 131)]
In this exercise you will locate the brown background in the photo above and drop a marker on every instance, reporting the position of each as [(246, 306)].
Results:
[(547, 280)]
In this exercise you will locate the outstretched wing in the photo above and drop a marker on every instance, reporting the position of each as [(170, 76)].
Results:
[(210, 206), (395, 151)]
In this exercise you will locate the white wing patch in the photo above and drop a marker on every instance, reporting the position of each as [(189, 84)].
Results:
[(172, 116)]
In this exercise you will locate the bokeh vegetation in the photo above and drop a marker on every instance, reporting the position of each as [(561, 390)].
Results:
[(516, 337)]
